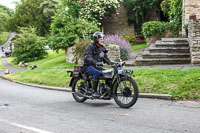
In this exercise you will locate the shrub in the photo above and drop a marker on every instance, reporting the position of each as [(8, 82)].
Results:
[(80, 49), (155, 28), (129, 38), (28, 46), (67, 31), (96, 11), (125, 48)]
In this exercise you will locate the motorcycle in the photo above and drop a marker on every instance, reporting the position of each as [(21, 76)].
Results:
[(116, 83)]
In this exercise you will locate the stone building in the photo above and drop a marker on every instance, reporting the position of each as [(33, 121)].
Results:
[(118, 23)]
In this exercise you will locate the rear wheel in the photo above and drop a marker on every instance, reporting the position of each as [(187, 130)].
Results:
[(125, 93), (78, 87)]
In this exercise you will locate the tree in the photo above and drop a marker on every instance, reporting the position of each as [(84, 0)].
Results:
[(6, 10), (28, 46), (5, 14), (27, 14), (49, 8), (3, 18), (67, 31), (138, 11)]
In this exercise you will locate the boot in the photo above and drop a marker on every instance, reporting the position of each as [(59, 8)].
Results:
[(95, 85)]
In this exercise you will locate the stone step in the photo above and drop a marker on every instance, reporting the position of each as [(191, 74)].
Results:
[(148, 55), (143, 62), (154, 49), (174, 39), (171, 44)]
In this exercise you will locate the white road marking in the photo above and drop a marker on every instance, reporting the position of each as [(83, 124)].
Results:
[(25, 127)]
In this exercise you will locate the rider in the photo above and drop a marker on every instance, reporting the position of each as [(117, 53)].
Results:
[(92, 59)]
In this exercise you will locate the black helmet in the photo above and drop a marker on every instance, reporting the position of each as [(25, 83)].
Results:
[(97, 35)]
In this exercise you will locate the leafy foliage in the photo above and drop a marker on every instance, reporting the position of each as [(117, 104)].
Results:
[(96, 11), (129, 38), (67, 31), (49, 8), (27, 14), (3, 19), (125, 48), (28, 46), (5, 14), (80, 48), (138, 11), (155, 28), (165, 6), (6, 10)]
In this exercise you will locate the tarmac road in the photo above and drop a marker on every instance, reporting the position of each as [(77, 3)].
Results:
[(26, 109)]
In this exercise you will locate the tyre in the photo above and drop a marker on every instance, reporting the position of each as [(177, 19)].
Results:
[(126, 92), (78, 86)]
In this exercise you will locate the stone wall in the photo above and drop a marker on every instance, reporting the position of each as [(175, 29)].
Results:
[(118, 23), (190, 8), (194, 40), (113, 54)]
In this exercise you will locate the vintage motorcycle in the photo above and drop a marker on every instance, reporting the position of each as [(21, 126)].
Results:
[(114, 83)]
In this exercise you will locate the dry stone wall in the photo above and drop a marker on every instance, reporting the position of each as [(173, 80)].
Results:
[(113, 54), (194, 40)]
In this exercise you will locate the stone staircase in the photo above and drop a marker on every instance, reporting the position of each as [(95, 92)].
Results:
[(166, 51)]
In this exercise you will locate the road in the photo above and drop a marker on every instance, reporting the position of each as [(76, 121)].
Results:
[(6, 44), (32, 110)]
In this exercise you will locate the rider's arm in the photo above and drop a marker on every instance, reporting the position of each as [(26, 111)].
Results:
[(89, 56), (107, 60)]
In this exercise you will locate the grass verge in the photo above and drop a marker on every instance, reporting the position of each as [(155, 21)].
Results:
[(52, 61), (3, 37), (138, 46), (180, 83)]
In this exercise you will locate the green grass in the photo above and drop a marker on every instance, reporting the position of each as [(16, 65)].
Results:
[(3, 37), (180, 83), (51, 61), (1, 66), (51, 77), (138, 46)]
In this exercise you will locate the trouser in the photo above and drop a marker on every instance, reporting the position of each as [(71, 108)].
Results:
[(94, 72)]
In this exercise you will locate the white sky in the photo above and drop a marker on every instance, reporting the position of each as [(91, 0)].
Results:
[(8, 3)]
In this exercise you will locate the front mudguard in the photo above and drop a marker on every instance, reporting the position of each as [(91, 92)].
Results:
[(71, 82)]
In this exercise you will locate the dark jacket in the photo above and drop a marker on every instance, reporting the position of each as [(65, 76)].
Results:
[(92, 56)]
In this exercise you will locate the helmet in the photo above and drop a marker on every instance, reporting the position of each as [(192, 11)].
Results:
[(97, 35)]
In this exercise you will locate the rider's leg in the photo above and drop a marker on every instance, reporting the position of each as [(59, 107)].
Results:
[(95, 73)]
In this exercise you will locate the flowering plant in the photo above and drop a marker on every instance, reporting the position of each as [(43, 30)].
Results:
[(125, 48), (97, 10)]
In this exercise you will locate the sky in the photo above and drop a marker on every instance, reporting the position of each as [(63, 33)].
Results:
[(8, 3)]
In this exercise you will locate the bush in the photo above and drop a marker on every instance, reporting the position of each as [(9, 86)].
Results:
[(125, 48), (67, 31), (80, 49), (155, 28), (28, 46), (129, 38)]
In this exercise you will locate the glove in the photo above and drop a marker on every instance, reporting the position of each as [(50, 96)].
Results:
[(99, 64)]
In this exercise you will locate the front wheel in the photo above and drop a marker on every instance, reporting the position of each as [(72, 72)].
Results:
[(78, 86), (126, 92)]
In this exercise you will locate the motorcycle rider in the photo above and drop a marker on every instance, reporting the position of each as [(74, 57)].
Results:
[(92, 60)]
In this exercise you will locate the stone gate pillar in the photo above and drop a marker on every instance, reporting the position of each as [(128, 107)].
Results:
[(190, 8)]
